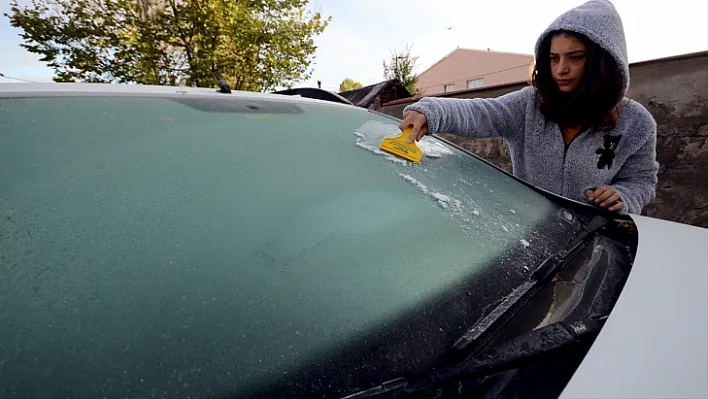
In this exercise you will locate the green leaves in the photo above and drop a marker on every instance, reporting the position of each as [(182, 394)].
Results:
[(255, 45), (349, 84), (402, 67)]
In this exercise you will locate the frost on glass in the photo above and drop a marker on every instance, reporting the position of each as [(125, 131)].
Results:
[(151, 246), (487, 205)]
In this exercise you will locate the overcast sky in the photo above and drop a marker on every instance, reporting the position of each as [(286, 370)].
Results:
[(363, 32)]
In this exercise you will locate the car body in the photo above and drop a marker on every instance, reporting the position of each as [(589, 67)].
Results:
[(171, 241)]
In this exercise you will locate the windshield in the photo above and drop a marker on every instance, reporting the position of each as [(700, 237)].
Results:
[(214, 245)]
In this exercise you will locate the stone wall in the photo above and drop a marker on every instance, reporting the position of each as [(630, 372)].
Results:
[(675, 91)]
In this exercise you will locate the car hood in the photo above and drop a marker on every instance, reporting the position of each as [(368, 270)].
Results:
[(655, 342)]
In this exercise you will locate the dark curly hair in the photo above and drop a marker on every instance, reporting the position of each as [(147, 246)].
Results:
[(594, 102)]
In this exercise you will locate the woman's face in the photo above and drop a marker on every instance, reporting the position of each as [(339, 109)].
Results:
[(568, 56)]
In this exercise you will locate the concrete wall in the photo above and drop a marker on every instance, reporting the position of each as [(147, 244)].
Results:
[(675, 91)]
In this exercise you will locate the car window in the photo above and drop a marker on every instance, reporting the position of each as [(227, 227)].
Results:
[(195, 245)]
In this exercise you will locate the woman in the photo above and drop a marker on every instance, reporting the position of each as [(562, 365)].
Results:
[(572, 132)]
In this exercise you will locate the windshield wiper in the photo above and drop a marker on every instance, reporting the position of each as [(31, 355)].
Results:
[(508, 356), (543, 340), (485, 327)]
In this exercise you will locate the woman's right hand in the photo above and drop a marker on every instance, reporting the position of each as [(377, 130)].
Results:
[(418, 122)]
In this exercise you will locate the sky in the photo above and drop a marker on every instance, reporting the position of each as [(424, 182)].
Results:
[(363, 33)]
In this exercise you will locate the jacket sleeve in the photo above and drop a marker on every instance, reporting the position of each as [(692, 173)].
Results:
[(636, 181), (477, 117)]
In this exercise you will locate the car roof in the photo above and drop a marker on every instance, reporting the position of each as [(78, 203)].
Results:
[(88, 89)]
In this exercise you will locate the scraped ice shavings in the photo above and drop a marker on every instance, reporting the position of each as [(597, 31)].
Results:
[(362, 139), (525, 243), (410, 179), (369, 137), (433, 149), (370, 148), (446, 201), (377, 151), (396, 160)]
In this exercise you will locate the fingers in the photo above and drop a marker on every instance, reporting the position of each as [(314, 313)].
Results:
[(602, 194), (417, 133), (418, 124), (605, 197), (597, 193), (409, 119), (592, 194), (613, 198), (617, 206)]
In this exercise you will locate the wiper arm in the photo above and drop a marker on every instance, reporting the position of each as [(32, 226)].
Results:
[(541, 341), (508, 356), (547, 269), (549, 266)]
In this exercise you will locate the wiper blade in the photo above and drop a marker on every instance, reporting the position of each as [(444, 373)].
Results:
[(508, 356), (387, 387), (548, 268), (550, 338)]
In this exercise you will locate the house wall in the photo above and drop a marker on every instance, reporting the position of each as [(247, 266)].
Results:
[(463, 64), (675, 91)]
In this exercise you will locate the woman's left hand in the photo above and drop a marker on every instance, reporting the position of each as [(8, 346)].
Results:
[(605, 197)]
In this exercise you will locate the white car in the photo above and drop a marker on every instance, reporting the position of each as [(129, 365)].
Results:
[(181, 242)]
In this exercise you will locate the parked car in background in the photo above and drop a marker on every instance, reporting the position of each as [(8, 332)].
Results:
[(179, 242)]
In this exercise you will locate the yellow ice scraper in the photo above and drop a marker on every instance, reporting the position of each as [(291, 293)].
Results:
[(400, 146)]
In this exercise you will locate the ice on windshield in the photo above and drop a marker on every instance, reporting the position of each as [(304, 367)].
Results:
[(432, 148), (443, 178), (314, 224), (363, 141), (371, 133), (183, 240), (444, 200)]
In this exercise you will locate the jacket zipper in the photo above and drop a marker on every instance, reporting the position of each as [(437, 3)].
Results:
[(565, 152)]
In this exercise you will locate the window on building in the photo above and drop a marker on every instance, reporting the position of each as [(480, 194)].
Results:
[(475, 83), (449, 88)]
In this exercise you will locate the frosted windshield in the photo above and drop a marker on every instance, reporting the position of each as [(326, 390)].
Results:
[(190, 246)]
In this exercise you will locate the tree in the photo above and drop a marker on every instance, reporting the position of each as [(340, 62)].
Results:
[(254, 45), (402, 66), (349, 84)]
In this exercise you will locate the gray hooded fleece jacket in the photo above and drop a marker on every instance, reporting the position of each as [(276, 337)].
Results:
[(623, 158)]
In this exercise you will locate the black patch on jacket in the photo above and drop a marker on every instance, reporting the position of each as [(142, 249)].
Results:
[(607, 154)]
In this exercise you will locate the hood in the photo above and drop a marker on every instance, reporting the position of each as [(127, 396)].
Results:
[(600, 22), (655, 342)]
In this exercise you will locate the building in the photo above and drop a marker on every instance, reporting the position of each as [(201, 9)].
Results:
[(373, 96), (464, 69)]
